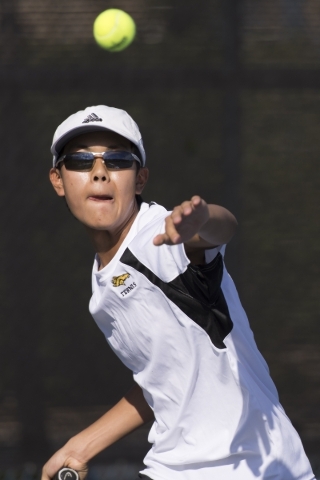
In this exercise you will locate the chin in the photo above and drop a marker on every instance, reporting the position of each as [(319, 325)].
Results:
[(100, 226)]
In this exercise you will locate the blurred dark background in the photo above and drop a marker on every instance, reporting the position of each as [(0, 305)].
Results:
[(227, 96)]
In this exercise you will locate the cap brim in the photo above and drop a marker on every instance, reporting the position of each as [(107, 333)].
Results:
[(57, 147)]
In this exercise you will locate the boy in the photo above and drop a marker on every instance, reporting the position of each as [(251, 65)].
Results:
[(169, 310)]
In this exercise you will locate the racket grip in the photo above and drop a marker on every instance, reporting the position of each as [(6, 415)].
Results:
[(66, 473)]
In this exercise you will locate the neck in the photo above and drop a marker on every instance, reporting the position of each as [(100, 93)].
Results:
[(108, 242)]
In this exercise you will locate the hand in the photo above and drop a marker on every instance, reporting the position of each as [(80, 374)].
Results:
[(63, 458), (184, 222)]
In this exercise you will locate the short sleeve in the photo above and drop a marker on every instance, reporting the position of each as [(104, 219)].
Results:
[(211, 253), (165, 261)]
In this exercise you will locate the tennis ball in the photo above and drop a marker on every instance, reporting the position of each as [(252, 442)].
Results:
[(114, 30)]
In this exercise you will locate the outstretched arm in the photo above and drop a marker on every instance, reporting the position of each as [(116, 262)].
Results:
[(199, 226), (128, 414)]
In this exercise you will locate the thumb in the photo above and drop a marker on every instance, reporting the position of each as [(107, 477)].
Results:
[(159, 239)]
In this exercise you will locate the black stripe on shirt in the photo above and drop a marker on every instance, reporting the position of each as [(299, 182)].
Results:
[(198, 294)]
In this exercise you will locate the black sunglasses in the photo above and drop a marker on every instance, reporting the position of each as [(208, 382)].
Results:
[(84, 161)]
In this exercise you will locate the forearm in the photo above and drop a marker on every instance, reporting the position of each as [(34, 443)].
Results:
[(128, 414), (199, 226)]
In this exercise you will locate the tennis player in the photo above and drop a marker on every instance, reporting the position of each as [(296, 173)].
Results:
[(168, 308)]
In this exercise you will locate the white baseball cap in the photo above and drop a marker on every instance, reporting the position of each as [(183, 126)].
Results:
[(94, 119)]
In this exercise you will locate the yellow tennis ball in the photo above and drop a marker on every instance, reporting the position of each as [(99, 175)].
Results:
[(114, 30)]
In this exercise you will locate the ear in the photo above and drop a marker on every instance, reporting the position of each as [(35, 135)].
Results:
[(141, 179), (57, 182)]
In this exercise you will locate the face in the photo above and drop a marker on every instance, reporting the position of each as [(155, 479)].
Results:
[(101, 199)]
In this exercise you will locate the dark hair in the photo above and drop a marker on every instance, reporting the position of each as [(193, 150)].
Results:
[(139, 200), (136, 151)]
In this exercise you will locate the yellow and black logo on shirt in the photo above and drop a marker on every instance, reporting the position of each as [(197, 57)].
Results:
[(118, 281)]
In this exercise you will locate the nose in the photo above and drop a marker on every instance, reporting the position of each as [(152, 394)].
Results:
[(99, 172)]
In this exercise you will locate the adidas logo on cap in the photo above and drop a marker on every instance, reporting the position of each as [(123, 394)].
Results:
[(92, 118)]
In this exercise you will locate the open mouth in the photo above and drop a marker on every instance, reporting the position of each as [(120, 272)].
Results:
[(101, 198)]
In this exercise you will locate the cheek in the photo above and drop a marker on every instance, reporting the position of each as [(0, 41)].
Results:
[(124, 182), (74, 186)]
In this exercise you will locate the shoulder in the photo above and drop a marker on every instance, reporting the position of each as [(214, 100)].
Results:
[(150, 213), (150, 220), (165, 261)]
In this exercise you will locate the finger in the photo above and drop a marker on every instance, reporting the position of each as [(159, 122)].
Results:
[(164, 239), (176, 215), (49, 470), (171, 231), (160, 239), (187, 208), (196, 201), (181, 212), (169, 237), (44, 475)]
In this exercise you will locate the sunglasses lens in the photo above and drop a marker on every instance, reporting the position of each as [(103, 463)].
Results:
[(83, 161), (76, 165), (118, 164), (117, 160)]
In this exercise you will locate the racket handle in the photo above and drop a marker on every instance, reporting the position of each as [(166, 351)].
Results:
[(66, 474)]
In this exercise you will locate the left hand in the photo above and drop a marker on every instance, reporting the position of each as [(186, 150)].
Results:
[(184, 222), (65, 457)]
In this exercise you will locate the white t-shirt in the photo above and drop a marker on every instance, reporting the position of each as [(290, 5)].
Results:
[(182, 331)]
